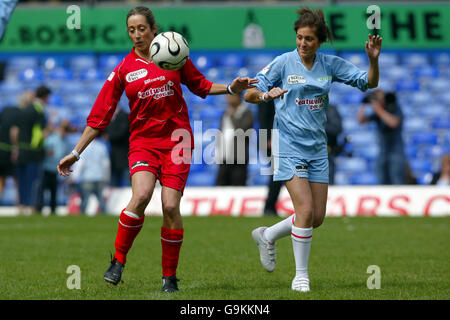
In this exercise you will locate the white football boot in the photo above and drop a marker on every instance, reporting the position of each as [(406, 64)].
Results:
[(300, 284), (267, 252)]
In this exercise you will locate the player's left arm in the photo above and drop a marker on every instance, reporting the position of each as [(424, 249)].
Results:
[(373, 49), (237, 86)]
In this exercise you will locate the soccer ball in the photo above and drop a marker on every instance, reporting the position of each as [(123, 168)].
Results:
[(169, 50)]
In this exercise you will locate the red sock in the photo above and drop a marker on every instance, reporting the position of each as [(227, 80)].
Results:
[(129, 228), (171, 240)]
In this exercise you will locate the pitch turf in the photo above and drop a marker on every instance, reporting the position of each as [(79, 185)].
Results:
[(220, 261)]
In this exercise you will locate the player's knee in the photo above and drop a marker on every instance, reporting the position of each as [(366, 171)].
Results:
[(318, 221), (142, 197), (170, 208)]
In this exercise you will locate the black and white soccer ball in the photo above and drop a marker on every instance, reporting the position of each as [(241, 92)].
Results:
[(169, 50)]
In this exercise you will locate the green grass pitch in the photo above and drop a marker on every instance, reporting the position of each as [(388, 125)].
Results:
[(219, 260)]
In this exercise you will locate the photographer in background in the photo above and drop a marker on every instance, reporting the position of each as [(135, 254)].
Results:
[(391, 161)]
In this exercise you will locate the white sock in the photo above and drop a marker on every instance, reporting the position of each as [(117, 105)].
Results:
[(279, 230), (301, 244), (131, 214)]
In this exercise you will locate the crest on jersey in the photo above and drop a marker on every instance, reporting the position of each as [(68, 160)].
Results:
[(135, 75), (296, 79)]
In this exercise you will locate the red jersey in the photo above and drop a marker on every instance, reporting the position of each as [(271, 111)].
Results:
[(157, 107)]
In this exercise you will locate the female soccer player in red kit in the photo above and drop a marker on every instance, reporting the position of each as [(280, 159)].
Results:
[(157, 109)]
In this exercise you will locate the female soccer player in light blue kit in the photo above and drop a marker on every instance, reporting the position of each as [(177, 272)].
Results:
[(299, 82)]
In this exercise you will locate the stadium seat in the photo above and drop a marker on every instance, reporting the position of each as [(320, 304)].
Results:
[(388, 59), (441, 58), (60, 73), (424, 138), (420, 165), (231, 60), (438, 85), (426, 71), (257, 61), (49, 63), (108, 62), (22, 62), (407, 85), (394, 72), (411, 151), (355, 97), (365, 178), (414, 59), (363, 138), (422, 98), (31, 75), (203, 61), (441, 123), (355, 165), (91, 74), (359, 59), (416, 124), (81, 62), (201, 179)]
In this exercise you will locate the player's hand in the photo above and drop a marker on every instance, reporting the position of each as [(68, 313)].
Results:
[(373, 46), (275, 93), (65, 164), (240, 84)]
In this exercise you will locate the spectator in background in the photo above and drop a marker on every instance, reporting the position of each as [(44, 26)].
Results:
[(391, 161), (237, 119), (32, 131), (266, 113), (93, 173), (9, 139), (442, 178), (118, 135), (55, 147), (333, 128)]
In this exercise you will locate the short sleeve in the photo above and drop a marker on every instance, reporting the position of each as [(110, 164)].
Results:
[(347, 73), (270, 76)]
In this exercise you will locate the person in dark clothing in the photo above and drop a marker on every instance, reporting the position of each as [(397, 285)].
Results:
[(32, 131), (118, 135), (236, 120), (388, 116), (333, 129), (9, 118), (266, 113)]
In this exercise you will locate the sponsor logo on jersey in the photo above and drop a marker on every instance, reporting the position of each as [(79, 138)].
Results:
[(140, 164), (296, 79), (111, 76), (327, 78), (135, 75), (316, 103), (160, 78), (157, 93)]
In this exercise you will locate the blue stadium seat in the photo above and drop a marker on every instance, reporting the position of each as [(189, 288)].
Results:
[(10, 87), (203, 61), (438, 85), (81, 62), (56, 100), (363, 138), (355, 97), (80, 100), (424, 138), (357, 58), (197, 179), (31, 75), (415, 59), (51, 62), (411, 151), (443, 123), (407, 85), (108, 62), (91, 74), (426, 71), (394, 72), (415, 124), (420, 165), (355, 165), (422, 98), (60, 73), (369, 152), (388, 59), (231, 60), (22, 62), (257, 61), (364, 178), (441, 58), (70, 88)]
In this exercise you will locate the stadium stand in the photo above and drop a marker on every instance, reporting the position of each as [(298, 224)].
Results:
[(420, 80)]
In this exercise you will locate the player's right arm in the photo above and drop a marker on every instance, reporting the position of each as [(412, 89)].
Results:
[(64, 166)]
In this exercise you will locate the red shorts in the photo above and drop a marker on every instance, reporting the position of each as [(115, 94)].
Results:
[(170, 173)]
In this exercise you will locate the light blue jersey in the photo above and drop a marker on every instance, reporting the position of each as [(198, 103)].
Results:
[(300, 116)]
